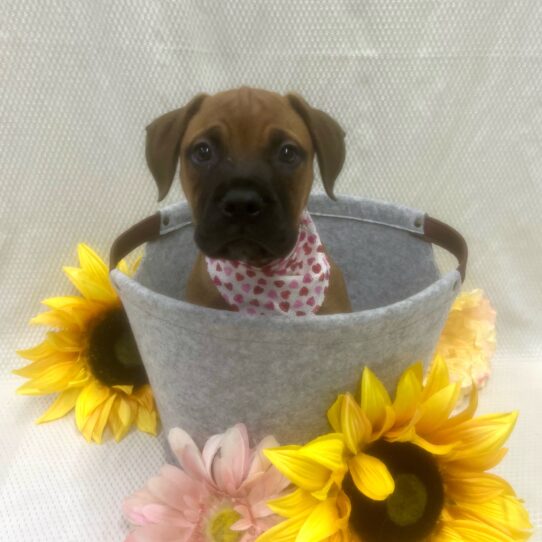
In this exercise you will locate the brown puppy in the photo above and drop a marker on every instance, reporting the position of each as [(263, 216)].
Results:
[(247, 171)]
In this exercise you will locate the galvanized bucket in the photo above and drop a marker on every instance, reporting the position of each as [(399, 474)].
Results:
[(210, 369)]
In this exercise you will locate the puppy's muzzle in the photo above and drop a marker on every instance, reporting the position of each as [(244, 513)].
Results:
[(244, 218), (242, 205)]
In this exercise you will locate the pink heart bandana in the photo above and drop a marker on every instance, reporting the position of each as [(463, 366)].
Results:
[(295, 285)]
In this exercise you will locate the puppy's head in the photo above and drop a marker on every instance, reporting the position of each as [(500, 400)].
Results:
[(246, 167)]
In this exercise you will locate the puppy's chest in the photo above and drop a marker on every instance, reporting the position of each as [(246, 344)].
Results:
[(295, 285)]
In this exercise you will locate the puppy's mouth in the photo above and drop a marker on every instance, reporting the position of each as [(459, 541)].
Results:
[(245, 248)]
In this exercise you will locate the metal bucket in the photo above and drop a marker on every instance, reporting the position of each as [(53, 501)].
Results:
[(210, 369)]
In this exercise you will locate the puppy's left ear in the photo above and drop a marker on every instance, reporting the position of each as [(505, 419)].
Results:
[(328, 140), (164, 136)]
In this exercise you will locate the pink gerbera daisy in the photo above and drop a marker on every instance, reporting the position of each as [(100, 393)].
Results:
[(218, 495)]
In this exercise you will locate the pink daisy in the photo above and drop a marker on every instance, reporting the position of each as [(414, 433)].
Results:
[(218, 495)]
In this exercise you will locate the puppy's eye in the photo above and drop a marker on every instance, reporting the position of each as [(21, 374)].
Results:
[(202, 152), (289, 153)]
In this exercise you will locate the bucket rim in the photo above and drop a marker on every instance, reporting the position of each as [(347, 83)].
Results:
[(145, 297)]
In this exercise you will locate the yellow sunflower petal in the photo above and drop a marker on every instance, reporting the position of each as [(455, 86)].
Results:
[(355, 425), (301, 471), (376, 403), (89, 288), (407, 396), (371, 477), (437, 409), (467, 531), (286, 531), (147, 420), (478, 463), (326, 450), (104, 412), (145, 397), (125, 389), (37, 368), (467, 413), (75, 312), (476, 487), (66, 302), (90, 398), (434, 449), (80, 379), (92, 264), (123, 414), (87, 428), (63, 404), (65, 340), (482, 435), (293, 504), (123, 267), (38, 352), (437, 378), (52, 380), (505, 513), (445, 533), (55, 319), (334, 414), (321, 523)]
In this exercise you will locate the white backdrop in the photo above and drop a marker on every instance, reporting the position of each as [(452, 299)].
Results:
[(442, 104)]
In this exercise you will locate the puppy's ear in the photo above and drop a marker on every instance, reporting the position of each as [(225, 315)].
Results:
[(163, 144), (327, 138)]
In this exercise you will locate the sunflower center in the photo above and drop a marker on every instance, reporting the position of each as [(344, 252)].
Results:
[(112, 352), (219, 526), (411, 512), (407, 503)]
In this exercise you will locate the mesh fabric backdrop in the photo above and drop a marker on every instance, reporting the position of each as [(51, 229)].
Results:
[(441, 101)]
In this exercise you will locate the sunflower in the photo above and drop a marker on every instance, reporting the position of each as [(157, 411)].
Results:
[(90, 359), (402, 470), (467, 342)]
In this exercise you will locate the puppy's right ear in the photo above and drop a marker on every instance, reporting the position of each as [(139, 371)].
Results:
[(163, 144)]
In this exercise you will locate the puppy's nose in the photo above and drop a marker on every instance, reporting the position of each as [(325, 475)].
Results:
[(242, 204)]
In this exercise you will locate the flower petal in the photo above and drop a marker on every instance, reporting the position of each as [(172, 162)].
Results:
[(326, 450), (437, 378), (187, 453), (434, 449), (103, 417), (482, 435), (293, 504), (355, 425), (407, 396), (92, 264), (89, 288), (122, 416), (334, 414), (286, 531), (376, 404), (476, 487), (436, 410), (479, 463), (63, 404), (371, 477), (321, 523), (235, 453), (505, 513), (54, 379), (147, 420), (303, 472), (90, 398)]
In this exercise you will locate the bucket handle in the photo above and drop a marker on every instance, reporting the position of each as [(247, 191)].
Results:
[(150, 229)]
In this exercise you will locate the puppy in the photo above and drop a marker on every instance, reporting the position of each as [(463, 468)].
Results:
[(246, 160)]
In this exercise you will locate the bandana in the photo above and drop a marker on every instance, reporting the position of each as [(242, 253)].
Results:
[(294, 286)]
